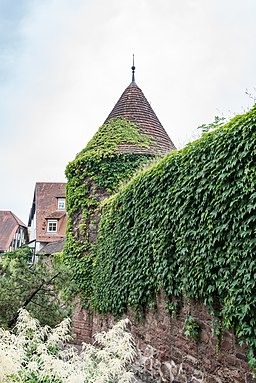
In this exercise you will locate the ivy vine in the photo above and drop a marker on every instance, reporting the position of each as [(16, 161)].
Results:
[(97, 171), (187, 225)]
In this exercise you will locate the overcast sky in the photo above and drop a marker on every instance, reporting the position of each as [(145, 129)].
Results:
[(65, 63)]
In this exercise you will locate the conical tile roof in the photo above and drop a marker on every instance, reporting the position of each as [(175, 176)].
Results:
[(134, 107)]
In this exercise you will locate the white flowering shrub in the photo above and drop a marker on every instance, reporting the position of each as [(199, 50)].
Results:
[(35, 354)]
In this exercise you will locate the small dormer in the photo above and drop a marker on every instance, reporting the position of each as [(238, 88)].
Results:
[(61, 203)]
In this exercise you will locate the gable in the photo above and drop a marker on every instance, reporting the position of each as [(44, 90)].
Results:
[(9, 224)]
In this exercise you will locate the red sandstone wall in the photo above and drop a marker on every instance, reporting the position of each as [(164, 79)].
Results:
[(166, 355)]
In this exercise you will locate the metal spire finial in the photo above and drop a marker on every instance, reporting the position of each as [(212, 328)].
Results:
[(133, 69)]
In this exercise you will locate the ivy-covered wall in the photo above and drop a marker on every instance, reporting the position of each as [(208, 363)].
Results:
[(97, 172), (186, 225)]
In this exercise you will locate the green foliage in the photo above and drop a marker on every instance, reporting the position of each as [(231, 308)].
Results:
[(187, 225), (172, 307), (102, 162), (39, 287), (218, 121), (97, 171), (191, 328), (116, 131)]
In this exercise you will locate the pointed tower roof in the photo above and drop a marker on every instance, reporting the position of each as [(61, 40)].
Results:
[(134, 107)]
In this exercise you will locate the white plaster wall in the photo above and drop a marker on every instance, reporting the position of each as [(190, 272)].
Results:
[(32, 231)]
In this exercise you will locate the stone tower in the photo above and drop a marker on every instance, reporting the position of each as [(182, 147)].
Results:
[(129, 138)]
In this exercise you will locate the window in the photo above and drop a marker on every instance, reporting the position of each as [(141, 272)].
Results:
[(52, 226), (61, 203)]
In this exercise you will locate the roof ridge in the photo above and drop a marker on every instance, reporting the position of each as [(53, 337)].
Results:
[(49, 182), (19, 221)]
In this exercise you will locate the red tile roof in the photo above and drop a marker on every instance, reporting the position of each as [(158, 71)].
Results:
[(55, 215), (52, 247), (9, 224), (134, 107)]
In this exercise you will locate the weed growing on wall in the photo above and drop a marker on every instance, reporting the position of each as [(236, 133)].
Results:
[(191, 328)]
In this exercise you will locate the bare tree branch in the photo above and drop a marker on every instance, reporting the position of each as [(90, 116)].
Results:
[(13, 320)]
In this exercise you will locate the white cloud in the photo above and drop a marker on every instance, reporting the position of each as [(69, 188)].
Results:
[(194, 59)]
